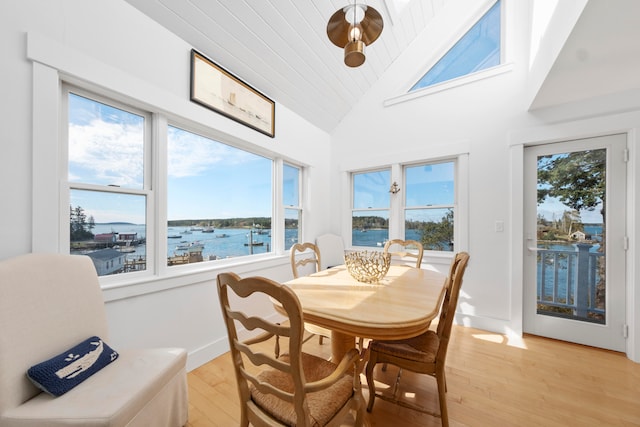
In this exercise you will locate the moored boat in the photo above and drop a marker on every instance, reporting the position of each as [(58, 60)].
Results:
[(191, 247)]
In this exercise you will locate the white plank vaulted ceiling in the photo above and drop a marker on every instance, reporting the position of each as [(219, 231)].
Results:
[(281, 48)]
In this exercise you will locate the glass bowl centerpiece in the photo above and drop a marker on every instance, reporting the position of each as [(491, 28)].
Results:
[(367, 266)]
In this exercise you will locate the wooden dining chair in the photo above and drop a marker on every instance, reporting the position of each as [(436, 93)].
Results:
[(294, 388), (299, 266), (426, 353), (403, 249)]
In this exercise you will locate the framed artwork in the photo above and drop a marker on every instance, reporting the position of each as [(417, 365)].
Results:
[(215, 88)]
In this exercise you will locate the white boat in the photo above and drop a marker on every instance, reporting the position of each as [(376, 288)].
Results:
[(191, 247), (125, 249)]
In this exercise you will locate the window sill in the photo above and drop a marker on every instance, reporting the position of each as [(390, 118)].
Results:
[(450, 84), (177, 277)]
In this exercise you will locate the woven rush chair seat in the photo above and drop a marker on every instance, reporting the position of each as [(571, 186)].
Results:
[(422, 348)]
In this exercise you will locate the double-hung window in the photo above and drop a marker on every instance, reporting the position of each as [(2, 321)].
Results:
[(422, 208), (292, 206), (430, 204), (370, 207), (109, 181)]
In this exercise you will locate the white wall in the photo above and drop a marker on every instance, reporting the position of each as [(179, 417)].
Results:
[(112, 46), (481, 119)]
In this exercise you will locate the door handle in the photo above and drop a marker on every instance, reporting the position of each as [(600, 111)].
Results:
[(530, 247)]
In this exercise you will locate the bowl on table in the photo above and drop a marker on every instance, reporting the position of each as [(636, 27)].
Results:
[(367, 266)]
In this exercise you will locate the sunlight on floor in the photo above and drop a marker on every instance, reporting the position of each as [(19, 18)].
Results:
[(511, 341)]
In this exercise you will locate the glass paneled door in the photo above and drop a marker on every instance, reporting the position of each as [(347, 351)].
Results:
[(574, 261)]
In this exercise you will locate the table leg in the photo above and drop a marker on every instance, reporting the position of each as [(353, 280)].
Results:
[(340, 344)]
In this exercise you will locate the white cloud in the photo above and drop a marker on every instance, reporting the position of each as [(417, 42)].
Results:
[(106, 153)]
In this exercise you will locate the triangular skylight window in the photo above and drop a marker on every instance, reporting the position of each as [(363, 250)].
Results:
[(477, 50)]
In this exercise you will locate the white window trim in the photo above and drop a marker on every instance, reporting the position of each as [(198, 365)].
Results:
[(450, 84), (299, 207), (396, 227)]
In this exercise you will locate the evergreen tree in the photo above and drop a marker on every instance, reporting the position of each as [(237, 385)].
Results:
[(438, 235), (79, 228)]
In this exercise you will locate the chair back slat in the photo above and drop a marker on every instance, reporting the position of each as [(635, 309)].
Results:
[(403, 249), (298, 263)]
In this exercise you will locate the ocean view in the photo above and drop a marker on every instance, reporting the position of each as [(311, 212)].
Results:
[(225, 242), (221, 243), (232, 242)]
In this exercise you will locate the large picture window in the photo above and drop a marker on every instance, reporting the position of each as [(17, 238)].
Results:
[(219, 200)]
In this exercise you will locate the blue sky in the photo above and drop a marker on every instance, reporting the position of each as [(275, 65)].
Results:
[(552, 209), (206, 179), (477, 50)]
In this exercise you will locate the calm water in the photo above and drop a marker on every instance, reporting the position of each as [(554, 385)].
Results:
[(230, 242), (377, 237), (222, 243)]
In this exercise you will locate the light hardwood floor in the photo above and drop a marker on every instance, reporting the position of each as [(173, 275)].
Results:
[(491, 380)]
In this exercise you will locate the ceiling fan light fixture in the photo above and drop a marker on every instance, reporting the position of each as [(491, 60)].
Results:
[(352, 28)]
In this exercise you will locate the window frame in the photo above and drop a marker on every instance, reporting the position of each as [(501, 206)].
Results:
[(458, 40), (298, 207), (506, 57), (453, 206), (458, 154), (147, 190), (353, 209), (155, 188)]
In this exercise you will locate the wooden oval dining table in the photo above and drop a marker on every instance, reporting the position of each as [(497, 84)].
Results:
[(400, 305)]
